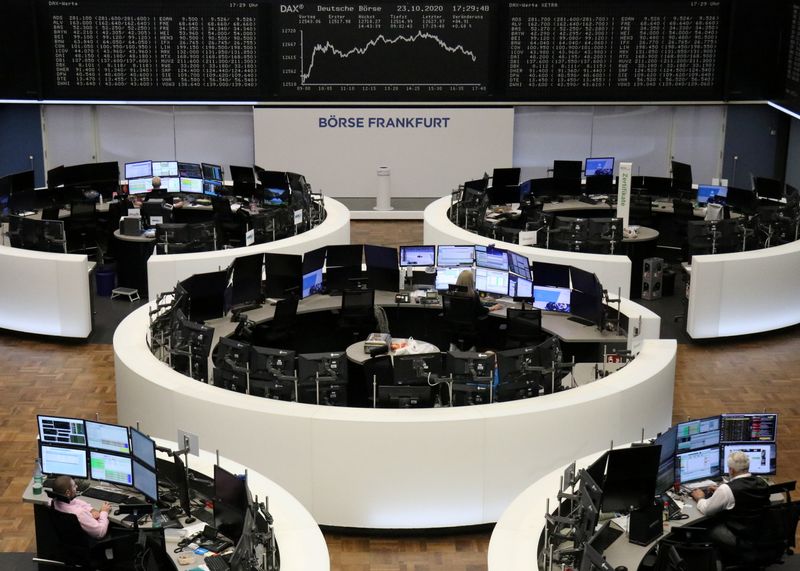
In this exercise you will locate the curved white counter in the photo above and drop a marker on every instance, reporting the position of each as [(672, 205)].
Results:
[(45, 293), (163, 272), (300, 541), (744, 292), (613, 271), (421, 468)]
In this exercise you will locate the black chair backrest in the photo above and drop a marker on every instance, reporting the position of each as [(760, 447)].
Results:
[(459, 310), (524, 323), (285, 312), (683, 209), (73, 541), (358, 301), (222, 207), (50, 213), (82, 209)]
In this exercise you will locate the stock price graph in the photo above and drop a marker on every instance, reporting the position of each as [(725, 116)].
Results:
[(386, 49)]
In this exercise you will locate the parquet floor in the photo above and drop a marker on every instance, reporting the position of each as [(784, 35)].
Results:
[(41, 376)]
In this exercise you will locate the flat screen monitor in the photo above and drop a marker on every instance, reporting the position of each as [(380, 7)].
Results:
[(171, 184), (145, 481), (768, 187), (525, 189), (479, 185), (567, 170), (283, 274), (21, 181), (139, 185), (554, 275), (666, 462), (275, 196), (491, 281), (405, 396), (749, 427), (416, 369), (698, 433), (515, 365), (206, 294), (503, 195), (230, 503), (697, 464), (243, 177), (452, 256), (681, 175), (417, 256), (520, 288), (592, 558), (190, 170), (469, 365), (330, 367), (630, 478), (112, 437), (139, 169), (380, 257), (55, 177), (212, 172), (213, 188), (165, 168), (60, 460), (61, 430), (344, 255), (143, 448), (599, 166), (247, 276), (445, 277), (505, 177), (583, 281), (707, 193), (763, 456), (519, 264), (557, 299), (491, 258), (191, 185), (586, 306), (113, 468), (273, 179)]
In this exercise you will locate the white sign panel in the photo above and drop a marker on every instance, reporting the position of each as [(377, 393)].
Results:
[(250, 237), (298, 217), (624, 192)]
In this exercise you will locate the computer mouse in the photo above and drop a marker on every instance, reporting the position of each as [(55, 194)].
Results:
[(117, 512)]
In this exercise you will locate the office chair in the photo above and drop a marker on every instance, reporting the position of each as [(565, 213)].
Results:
[(230, 230), (357, 314), (82, 226), (460, 320), (50, 213), (769, 539), (641, 211), (683, 213), (279, 332), (700, 238), (523, 327)]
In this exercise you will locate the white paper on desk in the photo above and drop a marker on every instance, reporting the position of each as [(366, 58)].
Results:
[(250, 237)]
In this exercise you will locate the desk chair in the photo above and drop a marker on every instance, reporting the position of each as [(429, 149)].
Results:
[(523, 327), (50, 213), (768, 541), (230, 230), (641, 211), (357, 314), (460, 320), (279, 332), (82, 226), (687, 557), (699, 237), (683, 213)]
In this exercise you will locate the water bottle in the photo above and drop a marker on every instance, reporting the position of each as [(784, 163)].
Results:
[(156, 516), (38, 477)]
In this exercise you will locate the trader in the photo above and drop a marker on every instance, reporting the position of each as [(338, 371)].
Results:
[(737, 505), (156, 184), (94, 522)]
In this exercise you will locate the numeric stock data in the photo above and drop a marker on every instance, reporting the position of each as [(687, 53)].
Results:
[(385, 50)]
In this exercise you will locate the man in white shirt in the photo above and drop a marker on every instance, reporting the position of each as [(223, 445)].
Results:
[(737, 505), (94, 522)]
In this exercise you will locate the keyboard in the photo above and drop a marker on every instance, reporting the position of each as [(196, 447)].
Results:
[(105, 495), (216, 563)]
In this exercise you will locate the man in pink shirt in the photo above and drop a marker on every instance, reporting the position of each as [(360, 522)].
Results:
[(94, 522)]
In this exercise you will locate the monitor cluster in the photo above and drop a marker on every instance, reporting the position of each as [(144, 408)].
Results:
[(103, 452), (175, 176)]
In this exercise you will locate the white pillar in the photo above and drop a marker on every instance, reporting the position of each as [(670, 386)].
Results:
[(383, 199)]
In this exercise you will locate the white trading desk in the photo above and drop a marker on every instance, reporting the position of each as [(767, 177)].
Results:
[(383, 468), (614, 272), (165, 271), (300, 541)]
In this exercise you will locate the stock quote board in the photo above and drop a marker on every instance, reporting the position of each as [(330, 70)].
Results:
[(267, 50)]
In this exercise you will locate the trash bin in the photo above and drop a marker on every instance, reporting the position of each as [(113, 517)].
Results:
[(106, 280)]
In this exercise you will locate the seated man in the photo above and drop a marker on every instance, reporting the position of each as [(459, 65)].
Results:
[(737, 505), (94, 522)]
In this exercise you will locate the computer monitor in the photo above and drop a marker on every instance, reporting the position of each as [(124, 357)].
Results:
[(469, 365), (697, 464), (749, 427), (145, 481), (112, 437), (190, 170), (405, 396), (171, 184), (417, 256), (478, 185), (768, 187), (341, 255), (455, 256), (666, 462), (557, 299), (139, 169), (283, 274), (586, 307), (61, 430), (592, 558), (491, 281), (707, 193), (165, 168), (21, 181), (520, 288), (61, 460), (330, 369), (139, 185), (212, 172), (567, 170), (519, 365), (213, 188), (244, 178), (206, 295), (554, 275), (599, 166), (445, 277), (112, 468), (230, 503), (382, 270), (191, 185), (698, 433), (55, 177), (763, 456), (143, 448), (172, 233), (247, 274), (312, 283), (503, 195), (273, 365), (275, 196), (519, 264), (505, 177), (491, 258), (231, 354), (630, 481), (417, 369), (681, 175)]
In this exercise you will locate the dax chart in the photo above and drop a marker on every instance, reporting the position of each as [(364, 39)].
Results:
[(382, 49)]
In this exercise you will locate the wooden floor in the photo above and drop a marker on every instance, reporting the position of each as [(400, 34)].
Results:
[(755, 373)]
